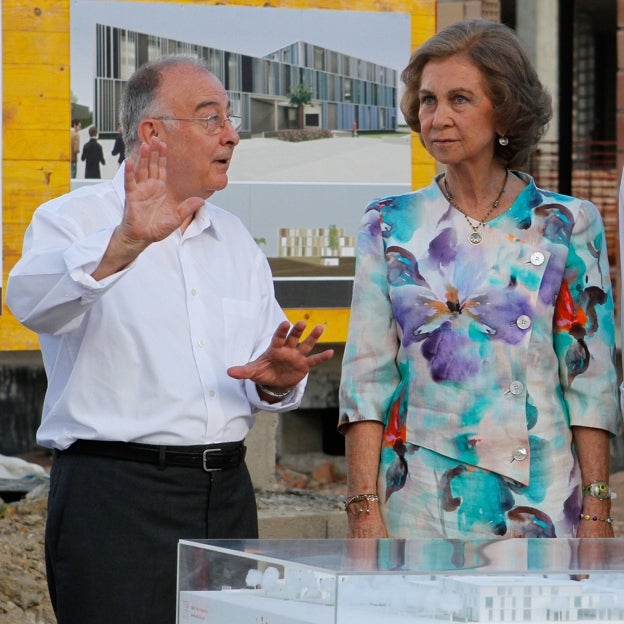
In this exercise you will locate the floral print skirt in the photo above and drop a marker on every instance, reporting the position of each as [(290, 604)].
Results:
[(444, 498)]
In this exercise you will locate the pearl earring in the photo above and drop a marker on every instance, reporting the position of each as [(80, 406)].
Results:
[(503, 140)]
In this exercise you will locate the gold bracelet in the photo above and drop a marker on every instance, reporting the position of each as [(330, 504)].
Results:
[(358, 498), (608, 519)]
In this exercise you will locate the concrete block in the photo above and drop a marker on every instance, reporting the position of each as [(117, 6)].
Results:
[(337, 525), (262, 451), (298, 525), (292, 526)]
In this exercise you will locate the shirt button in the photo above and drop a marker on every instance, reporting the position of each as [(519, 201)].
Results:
[(523, 321), (193, 291), (516, 387), (520, 454), (537, 258), (211, 393), (200, 343)]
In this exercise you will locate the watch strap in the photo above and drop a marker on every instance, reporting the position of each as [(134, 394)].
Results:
[(598, 489)]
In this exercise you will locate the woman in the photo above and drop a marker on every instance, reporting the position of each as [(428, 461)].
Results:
[(478, 392)]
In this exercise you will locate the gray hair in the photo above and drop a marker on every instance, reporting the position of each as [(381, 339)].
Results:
[(522, 105), (140, 97)]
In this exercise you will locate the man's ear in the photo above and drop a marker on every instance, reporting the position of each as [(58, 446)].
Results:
[(146, 130)]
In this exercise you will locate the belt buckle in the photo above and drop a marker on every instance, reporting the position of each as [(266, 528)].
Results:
[(205, 455)]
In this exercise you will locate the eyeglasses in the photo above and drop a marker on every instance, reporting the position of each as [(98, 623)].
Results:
[(212, 124)]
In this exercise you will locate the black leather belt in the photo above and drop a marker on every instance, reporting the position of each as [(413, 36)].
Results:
[(208, 457)]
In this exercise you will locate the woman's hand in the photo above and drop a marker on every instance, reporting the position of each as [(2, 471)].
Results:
[(366, 525)]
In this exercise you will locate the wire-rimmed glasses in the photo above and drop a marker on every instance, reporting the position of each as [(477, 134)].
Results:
[(213, 124)]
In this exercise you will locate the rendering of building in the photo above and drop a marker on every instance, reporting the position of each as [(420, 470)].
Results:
[(315, 243), (345, 90)]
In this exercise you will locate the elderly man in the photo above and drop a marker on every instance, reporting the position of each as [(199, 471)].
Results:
[(161, 337)]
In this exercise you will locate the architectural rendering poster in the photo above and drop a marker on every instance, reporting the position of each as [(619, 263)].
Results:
[(41, 42), (329, 77)]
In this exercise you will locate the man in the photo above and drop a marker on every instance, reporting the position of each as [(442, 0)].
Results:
[(148, 302), (75, 146), (93, 155), (119, 148)]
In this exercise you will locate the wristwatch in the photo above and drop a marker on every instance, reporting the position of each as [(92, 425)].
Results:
[(598, 489)]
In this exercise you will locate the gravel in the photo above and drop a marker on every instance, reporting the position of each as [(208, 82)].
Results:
[(23, 589)]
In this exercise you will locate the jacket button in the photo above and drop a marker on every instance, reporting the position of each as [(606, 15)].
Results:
[(523, 321), (520, 454), (516, 387)]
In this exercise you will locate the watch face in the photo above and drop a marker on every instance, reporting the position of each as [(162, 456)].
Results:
[(599, 489)]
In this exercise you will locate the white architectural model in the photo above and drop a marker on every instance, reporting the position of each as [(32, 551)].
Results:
[(312, 597)]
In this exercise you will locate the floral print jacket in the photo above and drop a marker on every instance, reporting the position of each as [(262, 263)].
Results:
[(484, 353)]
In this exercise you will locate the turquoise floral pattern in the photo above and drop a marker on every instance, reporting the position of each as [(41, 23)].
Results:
[(474, 352)]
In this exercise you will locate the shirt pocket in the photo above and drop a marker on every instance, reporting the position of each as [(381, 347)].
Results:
[(240, 322)]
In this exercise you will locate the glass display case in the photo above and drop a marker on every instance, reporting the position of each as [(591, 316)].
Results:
[(397, 581)]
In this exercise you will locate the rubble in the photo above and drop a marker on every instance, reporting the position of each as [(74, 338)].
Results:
[(23, 589)]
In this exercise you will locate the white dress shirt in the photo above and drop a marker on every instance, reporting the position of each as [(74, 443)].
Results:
[(142, 355)]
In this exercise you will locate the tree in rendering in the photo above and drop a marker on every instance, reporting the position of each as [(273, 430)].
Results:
[(299, 97)]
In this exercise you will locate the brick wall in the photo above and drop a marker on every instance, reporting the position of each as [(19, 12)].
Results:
[(620, 84), (449, 12)]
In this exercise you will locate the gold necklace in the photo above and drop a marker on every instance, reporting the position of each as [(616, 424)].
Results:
[(476, 237)]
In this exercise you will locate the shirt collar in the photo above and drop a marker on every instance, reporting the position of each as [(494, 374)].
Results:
[(204, 220), (204, 217)]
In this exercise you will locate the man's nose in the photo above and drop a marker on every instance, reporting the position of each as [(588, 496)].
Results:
[(228, 134)]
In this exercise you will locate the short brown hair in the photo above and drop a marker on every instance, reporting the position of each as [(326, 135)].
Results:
[(522, 105)]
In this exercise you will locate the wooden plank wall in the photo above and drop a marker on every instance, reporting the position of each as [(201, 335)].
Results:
[(36, 121), (36, 112)]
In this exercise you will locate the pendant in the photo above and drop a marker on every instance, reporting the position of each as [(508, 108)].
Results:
[(475, 238)]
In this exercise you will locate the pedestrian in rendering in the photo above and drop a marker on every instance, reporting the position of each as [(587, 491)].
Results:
[(92, 155)]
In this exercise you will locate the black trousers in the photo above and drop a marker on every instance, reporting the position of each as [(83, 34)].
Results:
[(113, 528)]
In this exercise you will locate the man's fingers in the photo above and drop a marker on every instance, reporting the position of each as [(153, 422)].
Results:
[(311, 339), (295, 333), (237, 372), (129, 180), (281, 334), (189, 207), (140, 164), (319, 358), (157, 159), (151, 161)]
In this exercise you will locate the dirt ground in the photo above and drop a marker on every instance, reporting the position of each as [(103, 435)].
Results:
[(23, 591)]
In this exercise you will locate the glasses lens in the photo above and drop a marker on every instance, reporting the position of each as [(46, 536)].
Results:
[(236, 121), (213, 124), (216, 123)]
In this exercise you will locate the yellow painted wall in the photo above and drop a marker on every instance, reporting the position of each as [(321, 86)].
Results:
[(36, 121)]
